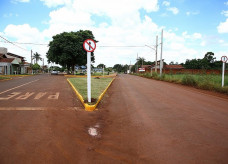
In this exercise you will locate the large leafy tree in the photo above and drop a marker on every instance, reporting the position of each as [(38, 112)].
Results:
[(66, 49), (101, 66)]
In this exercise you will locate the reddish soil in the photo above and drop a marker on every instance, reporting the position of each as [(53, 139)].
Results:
[(139, 121)]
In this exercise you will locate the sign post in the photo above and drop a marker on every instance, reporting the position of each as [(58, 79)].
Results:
[(89, 45), (224, 60)]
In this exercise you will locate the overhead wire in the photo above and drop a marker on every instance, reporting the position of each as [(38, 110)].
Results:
[(13, 43)]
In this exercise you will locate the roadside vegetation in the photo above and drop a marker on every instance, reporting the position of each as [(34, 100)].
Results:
[(202, 81), (4, 77), (98, 85)]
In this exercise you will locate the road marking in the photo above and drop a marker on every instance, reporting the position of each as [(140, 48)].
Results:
[(40, 94), (55, 97), (10, 96), (25, 96), (18, 86)]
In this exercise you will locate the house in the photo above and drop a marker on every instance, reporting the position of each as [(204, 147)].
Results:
[(11, 63), (146, 67), (97, 70)]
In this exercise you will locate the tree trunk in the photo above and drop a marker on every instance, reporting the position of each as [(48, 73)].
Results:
[(68, 69), (73, 69)]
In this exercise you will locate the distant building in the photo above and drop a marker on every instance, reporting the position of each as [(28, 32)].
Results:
[(97, 69), (11, 63)]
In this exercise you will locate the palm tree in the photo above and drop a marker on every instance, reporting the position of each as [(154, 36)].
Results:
[(37, 57)]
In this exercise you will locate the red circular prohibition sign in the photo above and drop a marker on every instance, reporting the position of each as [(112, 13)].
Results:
[(224, 59), (89, 45)]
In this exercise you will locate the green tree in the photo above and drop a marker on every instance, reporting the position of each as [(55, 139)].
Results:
[(36, 67), (118, 67), (140, 61), (101, 66), (66, 49), (37, 57)]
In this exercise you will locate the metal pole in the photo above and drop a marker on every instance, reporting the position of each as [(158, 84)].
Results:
[(223, 72), (31, 56), (161, 53), (89, 76), (156, 52), (103, 70), (137, 63), (43, 65)]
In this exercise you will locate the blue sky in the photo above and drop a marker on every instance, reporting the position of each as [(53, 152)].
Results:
[(191, 27)]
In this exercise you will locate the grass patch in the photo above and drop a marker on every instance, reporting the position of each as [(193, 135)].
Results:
[(4, 77), (202, 81), (98, 85)]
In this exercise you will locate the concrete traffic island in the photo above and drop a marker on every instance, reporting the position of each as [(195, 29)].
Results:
[(87, 106)]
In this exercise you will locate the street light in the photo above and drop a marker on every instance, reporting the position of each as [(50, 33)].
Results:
[(155, 49)]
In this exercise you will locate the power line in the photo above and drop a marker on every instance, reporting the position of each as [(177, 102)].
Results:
[(121, 46), (13, 43), (42, 44), (45, 44)]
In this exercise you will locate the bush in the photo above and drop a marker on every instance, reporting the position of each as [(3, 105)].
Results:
[(189, 80), (154, 75)]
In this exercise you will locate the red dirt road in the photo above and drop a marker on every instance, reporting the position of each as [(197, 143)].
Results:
[(139, 121)]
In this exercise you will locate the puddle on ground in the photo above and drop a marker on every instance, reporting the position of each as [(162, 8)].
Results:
[(93, 130)]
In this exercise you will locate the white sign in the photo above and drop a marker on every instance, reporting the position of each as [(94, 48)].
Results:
[(224, 60), (141, 69), (89, 45)]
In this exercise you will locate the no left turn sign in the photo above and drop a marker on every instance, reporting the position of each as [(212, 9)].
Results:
[(224, 59), (89, 45)]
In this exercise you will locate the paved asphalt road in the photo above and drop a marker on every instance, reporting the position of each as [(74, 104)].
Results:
[(139, 121)]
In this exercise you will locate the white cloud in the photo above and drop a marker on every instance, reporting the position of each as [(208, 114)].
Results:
[(192, 13), (125, 28), (55, 3), (197, 36), (166, 3), (24, 34), (223, 27), (226, 3), (22, 1), (10, 15), (225, 13), (174, 10)]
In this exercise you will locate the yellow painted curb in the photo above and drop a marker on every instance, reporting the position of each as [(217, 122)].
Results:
[(87, 106), (16, 75), (6, 79)]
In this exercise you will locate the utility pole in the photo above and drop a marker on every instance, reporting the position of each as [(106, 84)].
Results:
[(137, 63), (161, 63), (103, 70), (31, 56), (156, 52), (43, 65)]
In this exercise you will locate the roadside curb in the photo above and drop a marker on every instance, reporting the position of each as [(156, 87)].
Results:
[(6, 79), (16, 75), (87, 106)]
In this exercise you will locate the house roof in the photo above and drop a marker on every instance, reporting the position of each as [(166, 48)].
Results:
[(2, 56), (174, 67), (7, 60), (14, 55), (145, 66)]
